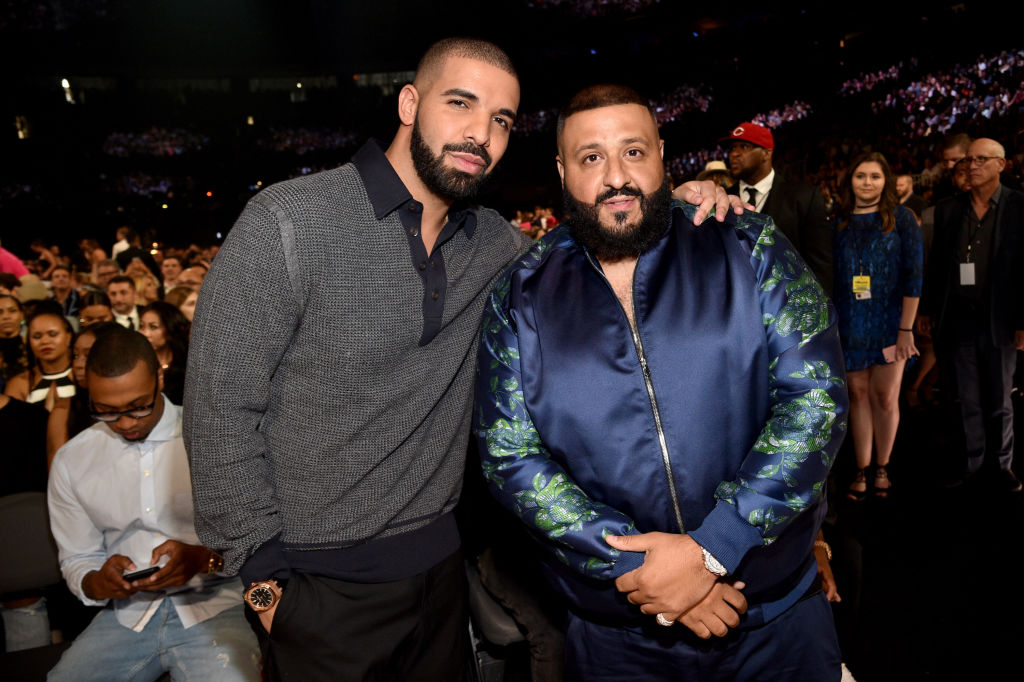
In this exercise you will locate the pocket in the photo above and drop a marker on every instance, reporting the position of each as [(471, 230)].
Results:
[(290, 596)]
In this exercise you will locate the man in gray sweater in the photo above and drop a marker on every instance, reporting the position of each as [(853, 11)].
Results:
[(327, 419)]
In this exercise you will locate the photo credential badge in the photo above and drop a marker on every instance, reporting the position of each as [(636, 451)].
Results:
[(967, 274)]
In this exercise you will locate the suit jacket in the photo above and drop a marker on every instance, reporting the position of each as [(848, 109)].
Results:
[(1003, 298), (799, 211)]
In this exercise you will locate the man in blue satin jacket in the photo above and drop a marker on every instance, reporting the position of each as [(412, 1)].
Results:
[(661, 404)]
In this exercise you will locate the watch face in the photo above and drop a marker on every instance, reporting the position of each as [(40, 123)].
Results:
[(261, 597)]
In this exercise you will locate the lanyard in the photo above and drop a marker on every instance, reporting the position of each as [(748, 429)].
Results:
[(972, 235), (862, 237)]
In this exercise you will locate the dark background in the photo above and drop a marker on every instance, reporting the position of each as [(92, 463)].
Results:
[(120, 56)]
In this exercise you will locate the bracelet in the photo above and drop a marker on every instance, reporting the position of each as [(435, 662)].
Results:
[(906, 330), (824, 545), (215, 563)]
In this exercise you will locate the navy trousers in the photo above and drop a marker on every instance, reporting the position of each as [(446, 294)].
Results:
[(800, 645)]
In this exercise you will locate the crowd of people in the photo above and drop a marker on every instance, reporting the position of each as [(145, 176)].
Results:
[(991, 87), (787, 114), (594, 8), (154, 142), (303, 141), (864, 240), (684, 99), (869, 81)]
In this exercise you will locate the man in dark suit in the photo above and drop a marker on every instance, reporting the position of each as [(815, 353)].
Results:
[(974, 303), (121, 291), (796, 207)]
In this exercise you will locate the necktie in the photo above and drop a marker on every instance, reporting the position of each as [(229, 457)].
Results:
[(131, 325), (751, 196)]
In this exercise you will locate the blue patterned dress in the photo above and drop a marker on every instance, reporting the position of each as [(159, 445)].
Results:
[(894, 262)]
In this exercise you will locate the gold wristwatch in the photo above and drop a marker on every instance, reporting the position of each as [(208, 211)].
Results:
[(262, 595)]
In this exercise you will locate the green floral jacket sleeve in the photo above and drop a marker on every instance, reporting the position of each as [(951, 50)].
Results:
[(569, 523)]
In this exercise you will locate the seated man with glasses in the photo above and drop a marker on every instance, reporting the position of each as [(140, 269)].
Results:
[(120, 500)]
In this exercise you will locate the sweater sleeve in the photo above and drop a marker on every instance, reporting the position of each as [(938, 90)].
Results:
[(246, 316), (519, 469), (784, 471)]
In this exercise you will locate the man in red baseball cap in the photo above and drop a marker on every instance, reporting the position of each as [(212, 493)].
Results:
[(797, 208)]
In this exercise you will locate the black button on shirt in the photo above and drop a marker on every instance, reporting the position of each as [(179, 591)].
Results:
[(388, 194)]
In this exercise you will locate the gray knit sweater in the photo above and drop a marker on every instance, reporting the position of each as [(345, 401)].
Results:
[(311, 412)]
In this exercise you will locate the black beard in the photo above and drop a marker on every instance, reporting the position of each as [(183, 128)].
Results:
[(585, 227), (447, 183)]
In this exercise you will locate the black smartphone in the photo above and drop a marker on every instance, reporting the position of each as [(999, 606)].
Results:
[(141, 573)]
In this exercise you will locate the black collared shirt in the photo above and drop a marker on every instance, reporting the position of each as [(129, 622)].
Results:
[(388, 194), (975, 246)]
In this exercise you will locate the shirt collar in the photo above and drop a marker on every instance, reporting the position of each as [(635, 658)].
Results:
[(763, 186), (168, 428), (383, 186), (388, 193), (994, 199)]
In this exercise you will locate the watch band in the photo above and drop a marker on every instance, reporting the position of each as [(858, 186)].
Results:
[(825, 546), (713, 564)]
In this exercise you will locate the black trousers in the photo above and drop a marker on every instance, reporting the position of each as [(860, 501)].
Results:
[(984, 375), (412, 629)]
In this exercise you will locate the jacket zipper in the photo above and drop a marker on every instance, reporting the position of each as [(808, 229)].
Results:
[(638, 346)]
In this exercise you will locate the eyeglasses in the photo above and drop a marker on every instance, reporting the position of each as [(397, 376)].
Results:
[(134, 413), (979, 160)]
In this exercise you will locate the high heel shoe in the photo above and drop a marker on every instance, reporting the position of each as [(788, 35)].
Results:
[(858, 489), (882, 483)]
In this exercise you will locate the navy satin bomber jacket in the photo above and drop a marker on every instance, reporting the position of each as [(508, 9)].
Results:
[(720, 418)]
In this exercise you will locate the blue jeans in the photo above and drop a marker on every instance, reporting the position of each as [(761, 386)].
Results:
[(222, 648), (27, 627)]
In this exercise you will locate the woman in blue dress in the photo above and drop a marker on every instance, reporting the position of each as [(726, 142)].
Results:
[(878, 268)]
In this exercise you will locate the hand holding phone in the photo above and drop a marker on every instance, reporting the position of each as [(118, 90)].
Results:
[(889, 353), (132, 576)]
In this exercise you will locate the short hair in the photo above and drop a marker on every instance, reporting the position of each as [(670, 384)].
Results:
[(108, 261), (49, 307), (959, 141), (117, 352), (121, 279), (9, 280), (94, 298), (468, 48), (60, 267), (98, 328), (598, 97), (177, 258), (15, 299)]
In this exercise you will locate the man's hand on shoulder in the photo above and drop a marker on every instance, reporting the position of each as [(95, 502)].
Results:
[(707, 195), (673, 578), (107, 583), (184, 562)]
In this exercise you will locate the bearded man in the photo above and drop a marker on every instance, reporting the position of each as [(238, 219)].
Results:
[(660, 404), (329, 386)]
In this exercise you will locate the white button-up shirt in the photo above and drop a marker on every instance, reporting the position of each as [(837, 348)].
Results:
[(762, 187), (111, 496), (131, 320)]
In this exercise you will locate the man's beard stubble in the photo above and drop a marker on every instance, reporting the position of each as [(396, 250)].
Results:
[(584, 224), (447, 183)]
